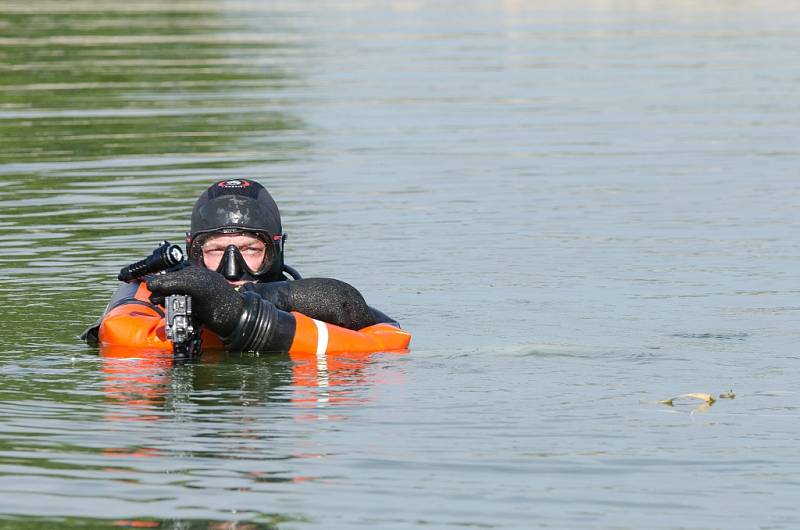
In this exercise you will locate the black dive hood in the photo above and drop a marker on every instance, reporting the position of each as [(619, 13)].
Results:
[(239, 205)]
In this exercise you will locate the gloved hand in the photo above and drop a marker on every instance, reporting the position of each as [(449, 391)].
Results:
[(215, 302), (326, 299)]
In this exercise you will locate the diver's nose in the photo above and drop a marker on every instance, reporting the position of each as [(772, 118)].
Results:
[(231, 266)]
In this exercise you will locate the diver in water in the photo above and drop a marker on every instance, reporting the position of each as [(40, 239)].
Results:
[(240, 287)]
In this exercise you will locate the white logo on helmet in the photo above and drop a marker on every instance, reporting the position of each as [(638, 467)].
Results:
[(234, 183)]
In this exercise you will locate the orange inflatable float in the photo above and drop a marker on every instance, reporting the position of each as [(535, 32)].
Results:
[(132, 322)]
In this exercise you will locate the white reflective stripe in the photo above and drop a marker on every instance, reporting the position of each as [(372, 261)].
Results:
[(322, 362), (322, 345)]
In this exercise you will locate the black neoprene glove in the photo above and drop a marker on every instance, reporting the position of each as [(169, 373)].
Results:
[(244, 322), (326, 299), (215, 302)]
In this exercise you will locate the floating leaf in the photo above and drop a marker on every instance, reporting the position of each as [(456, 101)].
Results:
[(708, 398)]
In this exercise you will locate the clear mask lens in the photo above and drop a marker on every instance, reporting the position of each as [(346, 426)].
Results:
[(235, 260)]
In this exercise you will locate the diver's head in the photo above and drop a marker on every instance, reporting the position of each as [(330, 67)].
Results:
[(236, 231)]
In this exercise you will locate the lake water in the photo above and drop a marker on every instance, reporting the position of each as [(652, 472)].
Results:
[(579, 208)]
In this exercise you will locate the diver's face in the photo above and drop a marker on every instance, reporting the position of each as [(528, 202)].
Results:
[(252, 248)]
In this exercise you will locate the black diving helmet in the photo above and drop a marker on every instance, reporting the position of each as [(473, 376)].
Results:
[(232, 207)]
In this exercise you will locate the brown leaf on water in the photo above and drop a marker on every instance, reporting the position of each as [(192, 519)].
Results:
[(708, 398)]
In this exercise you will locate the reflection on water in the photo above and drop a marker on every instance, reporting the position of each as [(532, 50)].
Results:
[(150, 381), (146, 430)]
